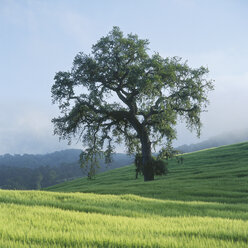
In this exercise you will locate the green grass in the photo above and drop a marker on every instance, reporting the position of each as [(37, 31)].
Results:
[(202, 203), (214, 175), (46, 219)]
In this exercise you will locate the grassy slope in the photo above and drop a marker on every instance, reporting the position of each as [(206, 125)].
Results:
[(217, 177)]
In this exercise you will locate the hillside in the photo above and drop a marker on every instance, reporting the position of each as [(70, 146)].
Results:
[(201, 203), (219, 175)]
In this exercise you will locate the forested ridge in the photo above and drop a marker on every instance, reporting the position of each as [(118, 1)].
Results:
[(37, 171)]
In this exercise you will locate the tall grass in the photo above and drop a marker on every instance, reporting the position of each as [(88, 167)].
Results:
[(43, 219)]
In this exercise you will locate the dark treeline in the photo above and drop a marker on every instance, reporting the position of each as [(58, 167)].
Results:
[(39, 171), (43, 176)]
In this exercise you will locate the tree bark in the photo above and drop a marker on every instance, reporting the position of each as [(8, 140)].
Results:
[(147, 158)]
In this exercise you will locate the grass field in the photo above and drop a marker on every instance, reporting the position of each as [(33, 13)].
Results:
[(213, 175), (201, 203)]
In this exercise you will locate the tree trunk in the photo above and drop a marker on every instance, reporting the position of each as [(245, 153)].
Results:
[(146, 149), (147, 158)]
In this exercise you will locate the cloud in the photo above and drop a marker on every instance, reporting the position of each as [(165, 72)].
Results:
[(28, 130), (229, 102)]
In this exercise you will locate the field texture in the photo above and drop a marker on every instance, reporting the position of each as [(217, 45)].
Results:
[(201, 203)]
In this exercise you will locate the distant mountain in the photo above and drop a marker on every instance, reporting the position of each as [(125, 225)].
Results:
[(37, 171), (69, 156), (34, 161), (228, 138)]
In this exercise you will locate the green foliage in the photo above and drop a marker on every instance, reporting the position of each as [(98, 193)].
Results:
[(138, 162), (159, 166), (90, 163), (153, 92)]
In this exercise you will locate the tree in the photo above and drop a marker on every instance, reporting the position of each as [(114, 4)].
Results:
[(121, 93)]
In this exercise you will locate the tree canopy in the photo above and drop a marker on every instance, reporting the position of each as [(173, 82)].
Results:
[(121, 93)]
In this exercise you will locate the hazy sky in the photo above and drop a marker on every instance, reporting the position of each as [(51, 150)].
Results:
[(41, 37)]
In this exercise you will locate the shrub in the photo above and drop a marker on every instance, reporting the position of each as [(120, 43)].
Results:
[(159, 166)]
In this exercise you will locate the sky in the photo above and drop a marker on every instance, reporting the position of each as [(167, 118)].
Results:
[(41, 37)]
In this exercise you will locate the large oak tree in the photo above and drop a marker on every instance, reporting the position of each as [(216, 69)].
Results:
[(123, 93)]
